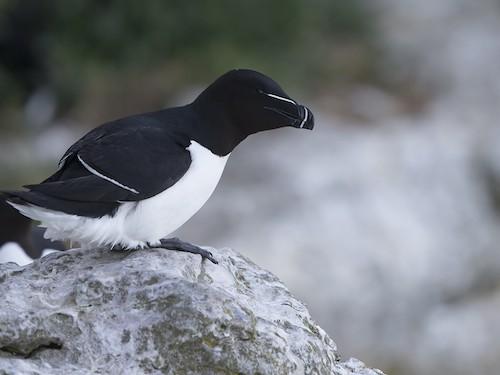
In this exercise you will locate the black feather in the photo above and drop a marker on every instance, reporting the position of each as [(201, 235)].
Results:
[(139, 152)]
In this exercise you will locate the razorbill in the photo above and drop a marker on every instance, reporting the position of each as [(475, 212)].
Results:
[(131, 182)]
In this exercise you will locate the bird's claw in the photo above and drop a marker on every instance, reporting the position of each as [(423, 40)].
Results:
[(205, 254), (176, 244)]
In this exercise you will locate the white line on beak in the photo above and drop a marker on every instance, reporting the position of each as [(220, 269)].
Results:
[(305, 118), (280, 98)]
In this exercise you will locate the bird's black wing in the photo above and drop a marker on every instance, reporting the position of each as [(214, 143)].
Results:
[(127, 160)]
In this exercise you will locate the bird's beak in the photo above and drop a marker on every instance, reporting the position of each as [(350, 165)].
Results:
[(301, 117), (306, 118)]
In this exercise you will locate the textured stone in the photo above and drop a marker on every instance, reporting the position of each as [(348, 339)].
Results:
[(158, 312)]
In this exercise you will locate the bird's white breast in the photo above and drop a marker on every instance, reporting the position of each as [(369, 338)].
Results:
[(154, 218)]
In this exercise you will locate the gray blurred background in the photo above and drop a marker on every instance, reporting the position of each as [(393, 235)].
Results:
[(384, 219)]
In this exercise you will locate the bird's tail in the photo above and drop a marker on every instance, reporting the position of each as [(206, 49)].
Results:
[(34, 198), (22, 201), (10, 196), (36, 205)]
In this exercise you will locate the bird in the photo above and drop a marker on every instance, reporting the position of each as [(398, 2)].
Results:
[(129, 183)]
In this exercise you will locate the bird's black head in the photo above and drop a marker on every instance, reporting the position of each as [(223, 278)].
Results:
[(248, 102)]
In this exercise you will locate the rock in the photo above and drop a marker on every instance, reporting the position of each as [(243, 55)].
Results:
[(157, 312)]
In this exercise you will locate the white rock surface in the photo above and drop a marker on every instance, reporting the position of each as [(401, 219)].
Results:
[(157, 312)]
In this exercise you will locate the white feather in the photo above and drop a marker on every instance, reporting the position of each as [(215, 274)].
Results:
[(137, 223)]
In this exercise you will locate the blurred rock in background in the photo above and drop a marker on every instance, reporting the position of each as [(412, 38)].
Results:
[(389, 225), (384, 219)]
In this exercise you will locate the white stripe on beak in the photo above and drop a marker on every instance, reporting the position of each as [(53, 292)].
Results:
[(280, 98), (305, 118)]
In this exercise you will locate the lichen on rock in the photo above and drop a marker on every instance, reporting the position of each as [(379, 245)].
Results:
[(157, 312)]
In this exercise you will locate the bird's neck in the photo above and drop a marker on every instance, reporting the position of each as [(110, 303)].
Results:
[(215, 130)]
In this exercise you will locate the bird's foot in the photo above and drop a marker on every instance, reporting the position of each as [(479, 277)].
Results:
[(122, 249), (178, 245)]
